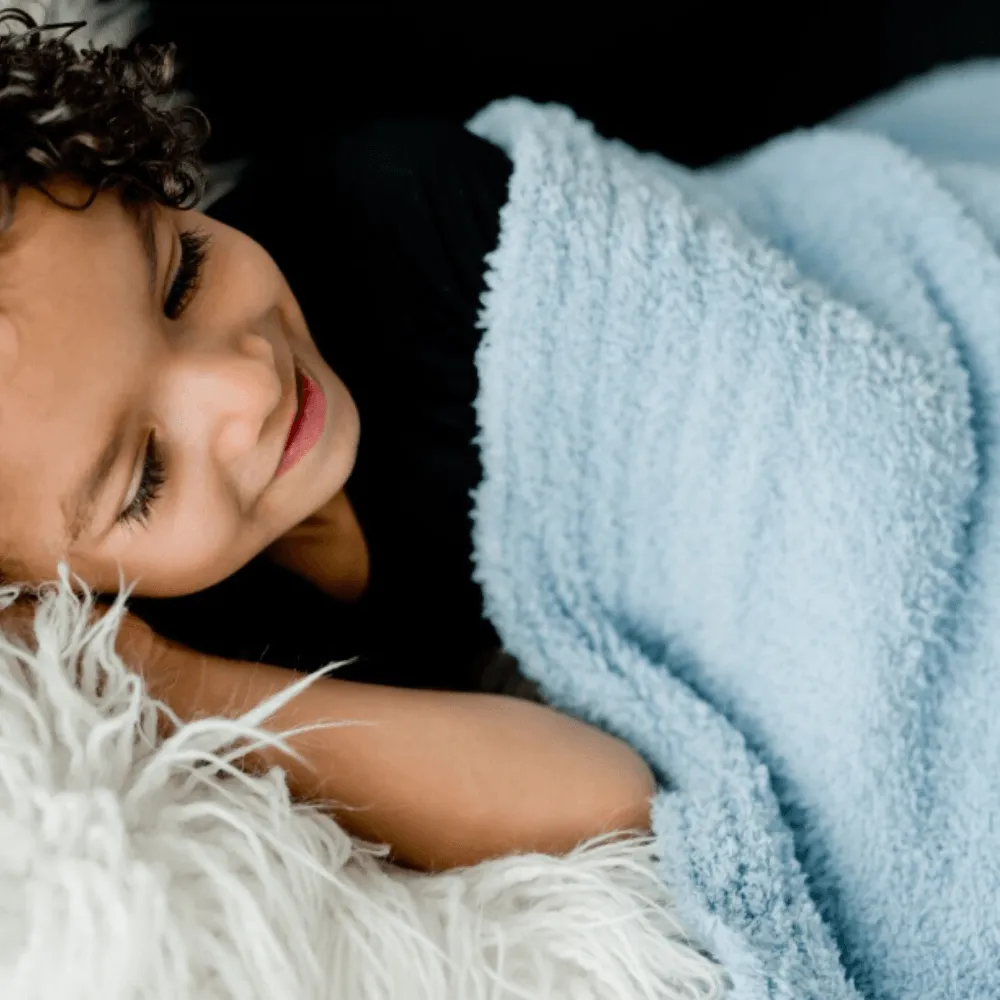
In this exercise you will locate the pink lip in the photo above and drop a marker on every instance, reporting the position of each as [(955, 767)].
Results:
[(307, 427)]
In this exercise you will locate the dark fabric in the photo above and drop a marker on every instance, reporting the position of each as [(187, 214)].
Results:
[(382, 237)]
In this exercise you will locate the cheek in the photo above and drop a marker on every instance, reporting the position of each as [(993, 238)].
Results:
[(190, 555), (245, 274), (190, 561)]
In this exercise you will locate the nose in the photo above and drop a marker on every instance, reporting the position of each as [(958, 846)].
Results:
[(219, 401), (251, 389)]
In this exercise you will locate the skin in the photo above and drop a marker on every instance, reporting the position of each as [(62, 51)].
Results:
[(82, 340)]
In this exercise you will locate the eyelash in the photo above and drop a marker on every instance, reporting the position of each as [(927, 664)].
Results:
[(154, 475), (195, 244), (194, 252)]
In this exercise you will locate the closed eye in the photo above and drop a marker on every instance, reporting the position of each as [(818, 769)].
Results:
[(195, 245), (150, 486)]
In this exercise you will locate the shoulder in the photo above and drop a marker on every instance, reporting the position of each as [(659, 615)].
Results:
[(410, 203), (424, 195), (385, 166), (416, 147), (419, 168), (384, 177)]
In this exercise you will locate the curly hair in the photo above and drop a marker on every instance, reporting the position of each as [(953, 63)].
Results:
[(96, 116)]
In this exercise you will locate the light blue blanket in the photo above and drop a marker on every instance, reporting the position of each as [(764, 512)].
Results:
[(740, 508)]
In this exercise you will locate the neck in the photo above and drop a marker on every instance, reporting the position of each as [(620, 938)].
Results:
[(328, 548)]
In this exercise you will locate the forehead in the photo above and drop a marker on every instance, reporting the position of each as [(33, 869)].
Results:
[(69, 301), (48, 249), (68, 294)]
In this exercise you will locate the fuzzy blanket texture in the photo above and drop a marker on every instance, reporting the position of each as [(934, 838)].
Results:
[(740, 506), (135, 868)]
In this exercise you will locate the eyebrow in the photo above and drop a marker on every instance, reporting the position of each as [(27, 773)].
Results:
[(80, 504), (80, 510), (142, 217)]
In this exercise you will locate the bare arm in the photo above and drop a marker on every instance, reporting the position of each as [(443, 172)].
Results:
[(446, 778)]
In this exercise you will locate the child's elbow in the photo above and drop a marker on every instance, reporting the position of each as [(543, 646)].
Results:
[(617, 797), (623, 805)]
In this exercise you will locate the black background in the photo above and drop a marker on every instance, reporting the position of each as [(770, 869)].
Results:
[(695, 81)]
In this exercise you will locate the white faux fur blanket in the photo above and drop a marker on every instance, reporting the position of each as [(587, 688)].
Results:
[(136, 868)]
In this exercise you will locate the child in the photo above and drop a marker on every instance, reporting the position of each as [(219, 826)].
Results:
[(169, 412)]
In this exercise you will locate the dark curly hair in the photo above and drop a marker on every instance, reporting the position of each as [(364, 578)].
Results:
[(96, 116)]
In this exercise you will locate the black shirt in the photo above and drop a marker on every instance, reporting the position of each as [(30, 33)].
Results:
[(382, 238)]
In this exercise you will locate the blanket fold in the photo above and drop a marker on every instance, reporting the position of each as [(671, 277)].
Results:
[(736, 429)]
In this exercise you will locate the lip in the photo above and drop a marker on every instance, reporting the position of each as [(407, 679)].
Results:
[(307, 423)]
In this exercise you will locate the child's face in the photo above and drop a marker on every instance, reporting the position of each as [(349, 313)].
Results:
[(85, 348)]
